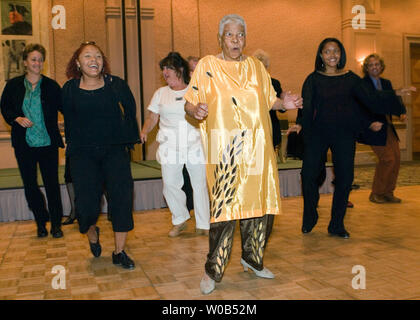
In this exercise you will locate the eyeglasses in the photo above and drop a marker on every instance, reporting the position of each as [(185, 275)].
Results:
[(88, 43)]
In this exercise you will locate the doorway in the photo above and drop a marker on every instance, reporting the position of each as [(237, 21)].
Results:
[(415, 98)]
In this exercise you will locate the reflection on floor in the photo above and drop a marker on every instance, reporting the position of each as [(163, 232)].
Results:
[(385, 241)]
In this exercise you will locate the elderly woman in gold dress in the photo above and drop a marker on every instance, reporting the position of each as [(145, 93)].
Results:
[(232, 95)]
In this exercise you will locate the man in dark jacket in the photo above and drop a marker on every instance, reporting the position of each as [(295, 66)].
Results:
[(382, 136)]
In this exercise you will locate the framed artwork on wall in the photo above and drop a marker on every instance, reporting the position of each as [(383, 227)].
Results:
[(16, 17), (12, 58), (16, 30)]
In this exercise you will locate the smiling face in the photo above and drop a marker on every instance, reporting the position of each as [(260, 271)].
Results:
[(34, 63), (90, 62), (330, 55), (374, 67), (233, 41)]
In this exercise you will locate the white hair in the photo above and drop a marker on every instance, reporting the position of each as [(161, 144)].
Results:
[(263, 56), (235, 18)]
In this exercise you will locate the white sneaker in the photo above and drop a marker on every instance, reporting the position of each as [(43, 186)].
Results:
[(207, 285), (264, 273), (176, 230)]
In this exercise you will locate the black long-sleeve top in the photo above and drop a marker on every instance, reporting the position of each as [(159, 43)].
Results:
[(332, 105), (275, 123), (11, 108), (101, 117)]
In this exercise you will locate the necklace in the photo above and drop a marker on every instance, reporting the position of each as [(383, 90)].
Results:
[(240, 58)]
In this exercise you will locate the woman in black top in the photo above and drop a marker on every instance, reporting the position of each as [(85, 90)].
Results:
[(30, 105), (100, 126), (332, 118)]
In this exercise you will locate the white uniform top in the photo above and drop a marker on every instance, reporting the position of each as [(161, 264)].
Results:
[(175, 132)]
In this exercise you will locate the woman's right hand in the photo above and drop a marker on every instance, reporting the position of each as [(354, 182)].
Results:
[(24, 122), (292, 101), (376, 126), (143, 137), (201, 111), (295, 128)]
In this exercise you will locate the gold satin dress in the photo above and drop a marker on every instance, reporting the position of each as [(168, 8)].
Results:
[(242, 173)]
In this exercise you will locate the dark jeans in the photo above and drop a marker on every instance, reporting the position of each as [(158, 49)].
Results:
[(343, 150), (93, 168), (47, 158)]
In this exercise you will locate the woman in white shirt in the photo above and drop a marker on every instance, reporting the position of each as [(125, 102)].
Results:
[(179, 144)]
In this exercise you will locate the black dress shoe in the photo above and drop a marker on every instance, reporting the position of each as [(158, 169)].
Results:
[(42, 231), (69, 220), (123, 260), (306, 230), (56, 232), (96, 248), (342, 234)]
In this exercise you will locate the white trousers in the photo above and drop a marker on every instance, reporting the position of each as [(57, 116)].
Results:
[(176, 199)]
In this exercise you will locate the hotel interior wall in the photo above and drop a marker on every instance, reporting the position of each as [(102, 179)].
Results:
[(288, 30)]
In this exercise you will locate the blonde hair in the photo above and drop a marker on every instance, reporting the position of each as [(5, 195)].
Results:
[(263, 57)]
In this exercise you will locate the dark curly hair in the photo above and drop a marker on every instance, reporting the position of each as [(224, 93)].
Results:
[(176, 62), (31, 47), (73, 72)]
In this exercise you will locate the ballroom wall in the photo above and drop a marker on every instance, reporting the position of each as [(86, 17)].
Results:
[(289, 30)]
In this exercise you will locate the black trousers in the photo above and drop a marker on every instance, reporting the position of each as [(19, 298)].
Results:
[(28, 159), (92, 169), (254, 236), (67, 171), (343, 151), (187, 188)]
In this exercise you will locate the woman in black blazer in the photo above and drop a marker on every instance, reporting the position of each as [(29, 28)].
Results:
[(30, 105)]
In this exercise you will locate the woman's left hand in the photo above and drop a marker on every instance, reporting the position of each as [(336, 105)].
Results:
[(292, 101)]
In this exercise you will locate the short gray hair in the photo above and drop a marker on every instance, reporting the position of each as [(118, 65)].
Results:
[(235, 18), (263, 57)]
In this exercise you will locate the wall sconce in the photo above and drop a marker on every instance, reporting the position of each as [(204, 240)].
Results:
[(360, 60)]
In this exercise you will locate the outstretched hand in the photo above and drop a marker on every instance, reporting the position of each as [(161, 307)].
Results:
[(292, 101), (405, 91)]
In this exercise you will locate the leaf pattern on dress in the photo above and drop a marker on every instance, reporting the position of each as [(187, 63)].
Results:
[(226, 176)]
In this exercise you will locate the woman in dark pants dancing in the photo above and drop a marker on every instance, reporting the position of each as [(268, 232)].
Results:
[(100, 125), (332, 118)]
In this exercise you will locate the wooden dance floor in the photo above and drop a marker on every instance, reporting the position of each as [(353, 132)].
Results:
[(148, 186), (385, 241)]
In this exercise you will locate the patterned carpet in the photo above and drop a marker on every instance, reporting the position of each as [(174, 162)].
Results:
[(409, 174)]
